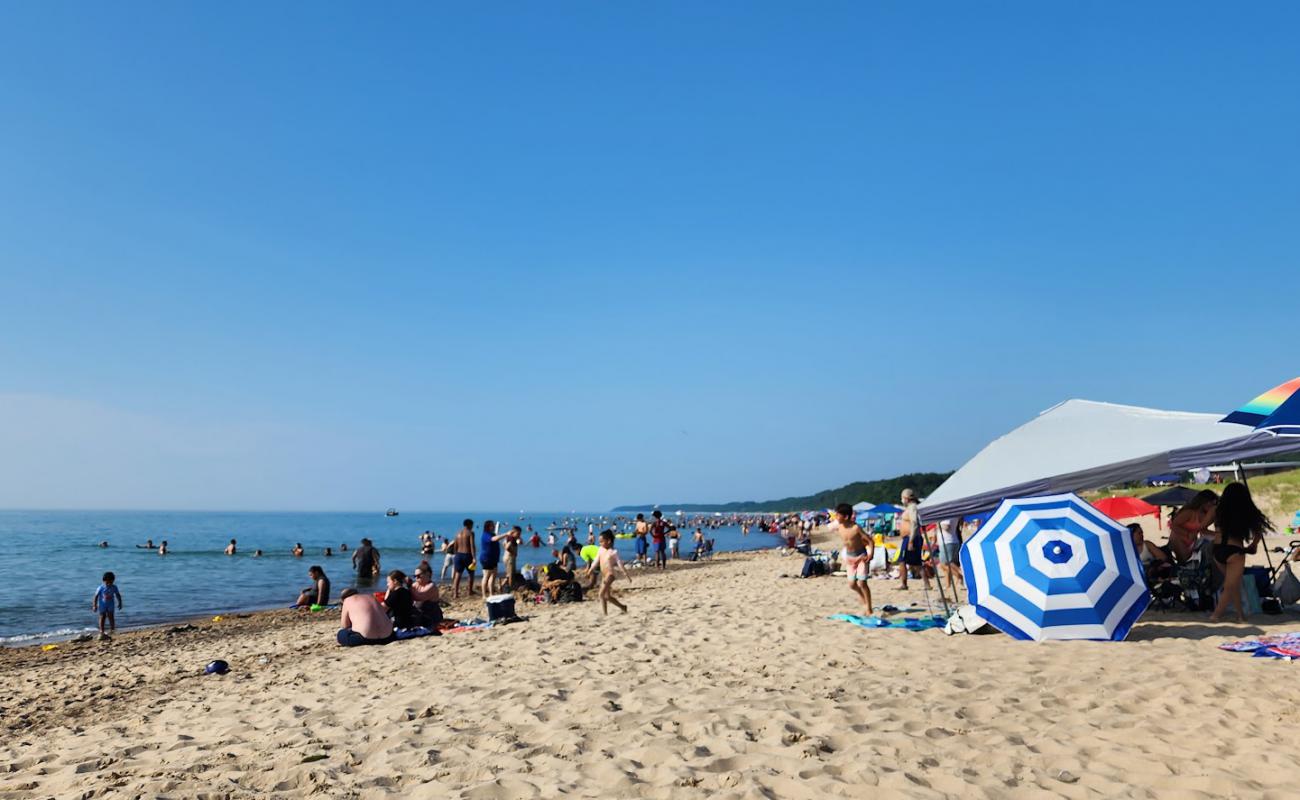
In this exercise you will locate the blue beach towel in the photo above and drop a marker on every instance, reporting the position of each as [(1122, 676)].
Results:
[(905, 623)]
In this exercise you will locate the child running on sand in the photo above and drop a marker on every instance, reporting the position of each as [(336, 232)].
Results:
[(858, 550), (103, 603), (607, 560)]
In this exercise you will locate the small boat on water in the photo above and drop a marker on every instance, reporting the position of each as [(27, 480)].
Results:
[(392, 512)]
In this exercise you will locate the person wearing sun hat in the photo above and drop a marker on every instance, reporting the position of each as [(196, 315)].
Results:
[(913, 540)]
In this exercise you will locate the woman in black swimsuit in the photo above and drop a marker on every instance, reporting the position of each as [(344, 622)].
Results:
[(1239, 521)]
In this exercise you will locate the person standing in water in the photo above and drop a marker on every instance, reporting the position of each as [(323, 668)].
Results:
[(231, 548), (366, 561)]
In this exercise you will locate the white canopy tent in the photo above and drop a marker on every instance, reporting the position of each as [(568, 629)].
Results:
[(863, 506), (1082, 444)]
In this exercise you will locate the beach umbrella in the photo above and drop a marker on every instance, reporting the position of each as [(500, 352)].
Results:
[(1054, 567), (1125, 507), (1276, 411), (1173, 496)]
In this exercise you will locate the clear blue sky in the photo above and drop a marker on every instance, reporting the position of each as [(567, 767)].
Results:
[(567, 255)]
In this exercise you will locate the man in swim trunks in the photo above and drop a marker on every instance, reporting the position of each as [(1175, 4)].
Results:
[(363, 620), (858, 550), (464, 556)]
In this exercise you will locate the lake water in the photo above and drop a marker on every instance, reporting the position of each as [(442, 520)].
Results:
[(51, 564)]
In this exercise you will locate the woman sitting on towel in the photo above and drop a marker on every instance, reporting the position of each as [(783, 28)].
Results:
[(1241, 528)]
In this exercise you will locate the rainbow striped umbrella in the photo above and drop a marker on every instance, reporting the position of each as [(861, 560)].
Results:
[(1276, 411)]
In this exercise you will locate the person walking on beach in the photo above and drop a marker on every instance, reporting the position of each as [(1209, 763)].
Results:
[(105, 596), (607, 561), (463, 551), (859, 548), (365, 559)]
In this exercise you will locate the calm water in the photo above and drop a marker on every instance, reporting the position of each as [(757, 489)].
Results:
[(51, 562)]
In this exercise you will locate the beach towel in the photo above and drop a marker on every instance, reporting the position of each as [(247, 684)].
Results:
[(402, 634), (1281, 643), (905, 623)]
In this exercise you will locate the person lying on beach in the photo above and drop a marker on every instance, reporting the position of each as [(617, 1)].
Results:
[(859, 547), (363, 620), (318, 594), (608, 561)]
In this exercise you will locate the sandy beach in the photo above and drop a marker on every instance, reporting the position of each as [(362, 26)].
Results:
[(725, 680)]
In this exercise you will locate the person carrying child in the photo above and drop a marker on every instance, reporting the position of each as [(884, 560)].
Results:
[(608, 561), (105, 596), (859, 548)]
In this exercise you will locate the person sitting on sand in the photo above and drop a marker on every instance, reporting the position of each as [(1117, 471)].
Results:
[(424, 593), (231, 548), (1241, 528), (859, 548), (318, 594), (297, 550), (363, 620), (608, 561), (398, 601)]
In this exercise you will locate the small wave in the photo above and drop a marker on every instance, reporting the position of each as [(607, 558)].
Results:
[(61, 633)]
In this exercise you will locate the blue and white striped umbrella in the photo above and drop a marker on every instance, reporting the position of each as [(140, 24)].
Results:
[(1054, 567)]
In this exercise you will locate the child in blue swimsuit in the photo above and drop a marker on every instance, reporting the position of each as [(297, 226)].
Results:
[(105, 596)]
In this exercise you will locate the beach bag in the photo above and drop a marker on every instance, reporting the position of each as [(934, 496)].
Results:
[(1286, 588), (968, 620), (570, 592), (500, 607)]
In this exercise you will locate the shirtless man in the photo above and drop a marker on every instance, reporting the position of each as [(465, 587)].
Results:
[(230, 548), (608, 561), (464, 549), (858, 550), (363, 620)]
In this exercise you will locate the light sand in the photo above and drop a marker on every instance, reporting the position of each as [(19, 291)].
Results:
[(723, 681)]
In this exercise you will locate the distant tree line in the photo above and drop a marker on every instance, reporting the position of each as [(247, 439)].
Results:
[(886, 490)]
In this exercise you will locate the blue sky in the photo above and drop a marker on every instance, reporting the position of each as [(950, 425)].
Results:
[(573, 255)]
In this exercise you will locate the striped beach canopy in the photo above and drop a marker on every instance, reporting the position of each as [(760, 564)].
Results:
[(1054, 567)]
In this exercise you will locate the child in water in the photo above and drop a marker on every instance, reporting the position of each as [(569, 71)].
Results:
[(607, 560), (105, 596)]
